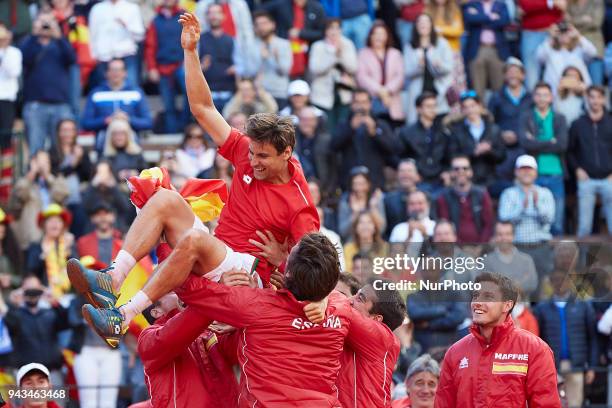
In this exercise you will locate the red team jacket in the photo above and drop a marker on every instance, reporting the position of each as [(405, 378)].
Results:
[(287, 210), (285, 359), (174, 372), (516, 368), (366, 375)]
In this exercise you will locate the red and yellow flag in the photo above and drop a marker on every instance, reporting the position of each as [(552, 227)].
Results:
[(206, 197)]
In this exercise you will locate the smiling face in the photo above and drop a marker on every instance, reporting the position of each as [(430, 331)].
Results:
[(422, 389), (266, 162), (488, 308), (365, 228), (424, 25)]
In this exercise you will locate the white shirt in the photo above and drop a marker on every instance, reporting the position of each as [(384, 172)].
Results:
[(108, 37), (335, 240), (605, 323), (10, 70), (190, 166), (401, 231)]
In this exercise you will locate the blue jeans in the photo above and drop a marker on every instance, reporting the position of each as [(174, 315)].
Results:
[(530, 40), (557, 187), (587, 195), (596, 71), (356, 29), (404, 31), (169, 87), (41, 120)]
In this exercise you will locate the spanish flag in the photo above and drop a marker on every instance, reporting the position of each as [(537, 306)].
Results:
[(206, 197)]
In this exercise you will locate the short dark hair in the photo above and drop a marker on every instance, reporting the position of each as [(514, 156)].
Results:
[(313, 268), (425, 96), (361, 91), (461, 156), (330, 21), (273, 129), (263, 13), (507, 287), (542, 84), (596, 88), (350, 281), (389, 304)]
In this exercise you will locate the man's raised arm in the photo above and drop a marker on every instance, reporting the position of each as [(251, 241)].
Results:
[(198, 92)]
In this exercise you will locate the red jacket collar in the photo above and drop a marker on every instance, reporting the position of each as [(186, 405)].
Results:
[(499, 332), (164, 319)]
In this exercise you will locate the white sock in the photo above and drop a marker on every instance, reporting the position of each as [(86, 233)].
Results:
[(135, 306), (122, 266)]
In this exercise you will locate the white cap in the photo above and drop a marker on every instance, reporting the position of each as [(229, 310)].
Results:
[(24, 370), (299, 87), (526, 160)]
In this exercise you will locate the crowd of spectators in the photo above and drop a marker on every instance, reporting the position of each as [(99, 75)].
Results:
[(452, 128)]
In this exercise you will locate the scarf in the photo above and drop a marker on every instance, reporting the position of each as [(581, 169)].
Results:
[(55, 264)]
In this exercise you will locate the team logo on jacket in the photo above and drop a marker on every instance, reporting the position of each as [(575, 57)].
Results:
[(464, 363), (518, 366)]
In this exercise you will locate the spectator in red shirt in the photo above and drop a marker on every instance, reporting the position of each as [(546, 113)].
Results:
[(468, 206), (269, 192)]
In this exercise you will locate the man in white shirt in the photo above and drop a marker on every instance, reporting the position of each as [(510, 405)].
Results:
[(115, 28), (419, 226)]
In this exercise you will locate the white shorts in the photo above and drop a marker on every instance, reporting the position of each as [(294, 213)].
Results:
[(236, 260)]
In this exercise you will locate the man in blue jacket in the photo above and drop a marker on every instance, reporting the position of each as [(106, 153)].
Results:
[(486, 48), (116, 99), (568, 324), (47, 57)]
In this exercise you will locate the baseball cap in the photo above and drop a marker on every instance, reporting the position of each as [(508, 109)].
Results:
[(299, 87), (513, 61), (26, 369), (526, 160)]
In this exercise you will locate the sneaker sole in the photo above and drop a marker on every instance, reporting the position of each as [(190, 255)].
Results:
[(112, 342), (80, 283)]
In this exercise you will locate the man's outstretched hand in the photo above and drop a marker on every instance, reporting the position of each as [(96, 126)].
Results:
[(191, 31)]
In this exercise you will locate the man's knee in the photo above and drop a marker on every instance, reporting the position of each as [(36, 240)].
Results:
[(193, 243), (167, 200)]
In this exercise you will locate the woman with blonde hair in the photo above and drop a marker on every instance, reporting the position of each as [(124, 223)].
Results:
[(122, 151), (366, 238), (448, 22)]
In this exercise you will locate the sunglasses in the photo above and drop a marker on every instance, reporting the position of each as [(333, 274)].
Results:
[(462, 168)]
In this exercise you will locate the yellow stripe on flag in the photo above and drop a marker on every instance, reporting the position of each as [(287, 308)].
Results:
[(135, 281), (510, 368), (206, 207)]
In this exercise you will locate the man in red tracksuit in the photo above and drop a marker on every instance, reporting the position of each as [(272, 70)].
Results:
[(175, 372), (497, 364), (366, 374), (285, 359)]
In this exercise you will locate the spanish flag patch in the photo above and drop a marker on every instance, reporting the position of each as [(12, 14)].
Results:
[(510, 368)]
